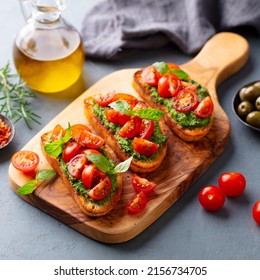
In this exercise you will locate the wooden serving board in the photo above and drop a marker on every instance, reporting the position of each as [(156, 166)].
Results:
[(222, 56)]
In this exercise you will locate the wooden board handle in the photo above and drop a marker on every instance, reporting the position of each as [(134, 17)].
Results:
[(225, 53)]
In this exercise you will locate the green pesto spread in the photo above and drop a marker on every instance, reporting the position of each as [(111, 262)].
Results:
[(126, 144), (188, 119)]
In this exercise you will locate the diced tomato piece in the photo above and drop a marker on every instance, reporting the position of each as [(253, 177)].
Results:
[(101, 190), (112, 116), (142, 184), (145, 147), (205, 108), (146, 129), (131, 128), (57, 132), (150, 75), (137, 203), (104, 99)]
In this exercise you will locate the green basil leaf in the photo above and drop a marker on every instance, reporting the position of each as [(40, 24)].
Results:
[(150, 114), (45, 174), (162, 67), (121, 106), (27, 188), (54, 148), (100, 162), (180, 74), (123, 166), (67, 136)]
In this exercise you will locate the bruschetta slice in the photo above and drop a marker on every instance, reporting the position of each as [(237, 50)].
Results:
[(87, 167), (130, 128), (187, 105)]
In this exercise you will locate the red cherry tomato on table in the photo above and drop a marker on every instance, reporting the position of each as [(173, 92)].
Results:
[(185, 101), (90, 140), (131, 128), (142, 184), (232, 183), (256, 212), (145, 147), (104, 99), (101, 190), (76, 165), (137, 203), (25, 161), (70, 150), (204, 108), (212, 198), (150, 75)]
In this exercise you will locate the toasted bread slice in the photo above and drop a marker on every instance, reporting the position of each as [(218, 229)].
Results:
[(88, 206), (185, 133), (141, 166)]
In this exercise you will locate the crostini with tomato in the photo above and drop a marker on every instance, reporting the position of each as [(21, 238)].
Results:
[(130, 128), (87, 167), (187, 105)]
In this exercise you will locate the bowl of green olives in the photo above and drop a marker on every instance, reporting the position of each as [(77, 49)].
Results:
[(246, 105)]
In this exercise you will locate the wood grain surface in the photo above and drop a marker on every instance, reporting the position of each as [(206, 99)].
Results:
[(222, 56)]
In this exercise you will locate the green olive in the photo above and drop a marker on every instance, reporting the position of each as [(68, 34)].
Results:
[(251, 93), (253, 119), (242, 93), (244, 108), (257, 85), (257, 103)]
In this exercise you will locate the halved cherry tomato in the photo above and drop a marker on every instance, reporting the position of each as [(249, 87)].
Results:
[(256, 212), (123, 119), (185, 101), (130, 99), (131, 128), (146, 129), (104, 99), (90, 140), (88, 174), (205, 108), (232, 183), (25, 161), (145, 147), (70, 150), (57, 132), (172, 65), (169, 85), (112, 116), (150, 75), (76, 165), (76, 130), (137, 203), (212, 198), (142, 184), (101, 190)]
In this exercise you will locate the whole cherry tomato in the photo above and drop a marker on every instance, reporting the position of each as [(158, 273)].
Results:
[(212, 198), (25, 161), (256, 212), (232, 183)]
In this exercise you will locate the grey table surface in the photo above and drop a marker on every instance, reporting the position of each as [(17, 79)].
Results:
[(186, 230)]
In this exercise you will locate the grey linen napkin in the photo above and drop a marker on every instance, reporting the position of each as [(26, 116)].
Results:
[(113, 28)]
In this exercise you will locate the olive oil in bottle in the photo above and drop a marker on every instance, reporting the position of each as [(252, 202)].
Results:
[(48, 53)]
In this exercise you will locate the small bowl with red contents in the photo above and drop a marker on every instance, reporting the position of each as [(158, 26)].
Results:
[(7, 131)]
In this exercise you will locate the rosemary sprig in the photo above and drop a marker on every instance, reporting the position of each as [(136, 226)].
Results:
[(14, 98)]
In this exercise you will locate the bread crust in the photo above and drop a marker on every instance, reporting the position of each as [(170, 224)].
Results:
[(86, 206), (186, 134), (136, 165)]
